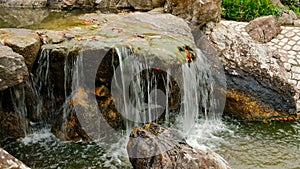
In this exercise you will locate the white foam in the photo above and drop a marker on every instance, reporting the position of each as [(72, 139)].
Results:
[(204, 134), (37, 136)]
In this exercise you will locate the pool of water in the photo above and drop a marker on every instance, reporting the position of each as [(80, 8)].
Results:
[(245, 145), (258, 145)]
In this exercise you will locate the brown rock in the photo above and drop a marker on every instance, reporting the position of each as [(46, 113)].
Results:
[(8, 161), (154, 146), (243, 107), (263, 29), (12, 126), (13, 70), (197, 12), (22, 41)]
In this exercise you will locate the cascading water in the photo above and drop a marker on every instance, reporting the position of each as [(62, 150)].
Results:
[(18, 97), (42, 87), (143, 91)]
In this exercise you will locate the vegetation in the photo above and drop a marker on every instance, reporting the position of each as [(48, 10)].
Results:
[(246, 10)]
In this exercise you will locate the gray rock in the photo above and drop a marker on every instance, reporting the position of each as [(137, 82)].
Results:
[(263, 29), (197, 12), (24, 42), (13, 69), (255, 81), (154, 146), (8, 161), (146, 4), (287, 17)]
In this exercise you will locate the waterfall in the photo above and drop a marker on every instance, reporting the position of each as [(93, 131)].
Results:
[(143, 90), (42, 86), (17, 94), (140, 91)]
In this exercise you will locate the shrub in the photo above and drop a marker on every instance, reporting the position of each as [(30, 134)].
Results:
[(246, 10)]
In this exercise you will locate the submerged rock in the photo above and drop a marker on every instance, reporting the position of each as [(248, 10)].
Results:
[(19, 18), (7, 161), (13, 69), (154, 146)]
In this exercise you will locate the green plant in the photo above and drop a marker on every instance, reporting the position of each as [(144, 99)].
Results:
[(246, 10)]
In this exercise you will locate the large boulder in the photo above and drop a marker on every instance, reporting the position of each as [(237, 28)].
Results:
[(9, 161), (257, 83), (263, 29), (13, 69), (23, 41), (197, 12), (154, 146), (100, 43)]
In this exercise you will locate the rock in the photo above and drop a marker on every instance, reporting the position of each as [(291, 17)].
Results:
[(277, 2), (150, 36), (13, 69), (110, 4), (12, 126), (8, 161), (254, 77), (146, 4), (197, 12), (24, 42), (154, 146), (78, 3), (287, 17), (24, 3), (263, 29), (244, 107), (297, 23)]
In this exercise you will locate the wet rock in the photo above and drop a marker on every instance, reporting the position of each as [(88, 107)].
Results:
[(154, 146), (12, 126), (263, 29), (243, 107), (254, 77), (24, 42), (197, 13), (24, 3), (149, 36), (13, 69), (8, 161)]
